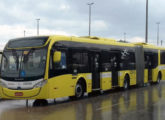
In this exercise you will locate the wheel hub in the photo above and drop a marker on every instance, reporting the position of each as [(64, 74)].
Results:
[(78, 90)]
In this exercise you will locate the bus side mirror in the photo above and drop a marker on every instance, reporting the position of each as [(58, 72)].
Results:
[(57, 56)]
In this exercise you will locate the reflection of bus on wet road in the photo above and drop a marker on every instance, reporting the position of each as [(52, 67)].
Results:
[(57, 66), (136, 104)]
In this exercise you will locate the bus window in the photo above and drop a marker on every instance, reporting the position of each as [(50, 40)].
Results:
[(114, 61), (58, 68), (162, 57), (80, 62), (85, 62), (151, 60), (105, 62), (147, 61), (131, 60), (62, 64), (127, 60)]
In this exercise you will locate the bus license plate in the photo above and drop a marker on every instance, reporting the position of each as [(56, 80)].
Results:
[(18, 93)]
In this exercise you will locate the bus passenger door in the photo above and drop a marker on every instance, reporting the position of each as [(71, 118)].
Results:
[(95, 67), (114, 64), (149, 67)]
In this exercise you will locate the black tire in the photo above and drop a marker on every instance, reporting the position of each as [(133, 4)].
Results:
[(126, 83), (79, 91), (40, 102)]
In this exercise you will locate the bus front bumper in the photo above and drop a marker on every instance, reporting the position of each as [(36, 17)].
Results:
[(35, 93)]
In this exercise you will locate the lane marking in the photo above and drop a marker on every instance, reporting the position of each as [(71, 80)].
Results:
[(102, 108)]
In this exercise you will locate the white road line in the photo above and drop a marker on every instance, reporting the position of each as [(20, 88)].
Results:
[(102, 108)]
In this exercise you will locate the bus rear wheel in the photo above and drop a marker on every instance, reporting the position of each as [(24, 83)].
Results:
[(79, 91)]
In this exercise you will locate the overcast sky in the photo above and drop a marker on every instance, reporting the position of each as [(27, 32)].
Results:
[(110, 18)]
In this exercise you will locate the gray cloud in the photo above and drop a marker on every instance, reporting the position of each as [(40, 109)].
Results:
[(110, 18)]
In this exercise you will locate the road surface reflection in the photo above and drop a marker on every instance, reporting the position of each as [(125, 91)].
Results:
[(144, 103)]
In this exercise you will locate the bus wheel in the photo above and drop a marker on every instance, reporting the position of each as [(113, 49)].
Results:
[(79, 91), (40, 102), (126, 83)]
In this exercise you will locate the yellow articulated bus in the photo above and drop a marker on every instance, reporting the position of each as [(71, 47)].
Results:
[(49, 67)]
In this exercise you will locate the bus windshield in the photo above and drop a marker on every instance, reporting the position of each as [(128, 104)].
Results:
[(18, 64)]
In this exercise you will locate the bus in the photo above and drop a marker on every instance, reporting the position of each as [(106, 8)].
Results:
[(50, 67)]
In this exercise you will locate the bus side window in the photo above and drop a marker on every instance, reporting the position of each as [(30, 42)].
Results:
[(80, 62), (58, 68), (85, 62), (131, 60), (62, 64), (113, 62), (127, 60), (154, 60), (124, 58), (151, 60), (147, 61), (105, 62), (162, 57)]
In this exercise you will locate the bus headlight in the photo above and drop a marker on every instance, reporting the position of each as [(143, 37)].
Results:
[(2, 84), (40, 84)]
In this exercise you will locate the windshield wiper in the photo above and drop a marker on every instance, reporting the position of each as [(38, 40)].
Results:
[(26, 57)]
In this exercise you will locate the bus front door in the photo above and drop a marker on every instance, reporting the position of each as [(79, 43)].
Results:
[(95, 64)]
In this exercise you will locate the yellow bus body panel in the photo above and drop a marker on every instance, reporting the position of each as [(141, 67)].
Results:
[(64, 85), (132, 75), (145, 75), (161, 68), (106, 80), (61, 86), (155, 74)]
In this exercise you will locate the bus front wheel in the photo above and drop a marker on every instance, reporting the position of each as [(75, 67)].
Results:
[(40, 102), (79, 91)]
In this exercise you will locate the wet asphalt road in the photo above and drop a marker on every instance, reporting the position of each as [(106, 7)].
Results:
[(147, 103)]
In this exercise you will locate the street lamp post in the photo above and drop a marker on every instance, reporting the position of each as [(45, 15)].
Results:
[(161, 42), (38, 26), (158, 23), (125, 36), (90, 4), (146, 34), (24, 32)]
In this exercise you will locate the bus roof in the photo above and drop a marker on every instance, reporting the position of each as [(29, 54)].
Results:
[(89, 39)]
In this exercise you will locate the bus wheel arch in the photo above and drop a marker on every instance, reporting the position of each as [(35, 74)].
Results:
[(80, 89), (126, 83), (83, 82)]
